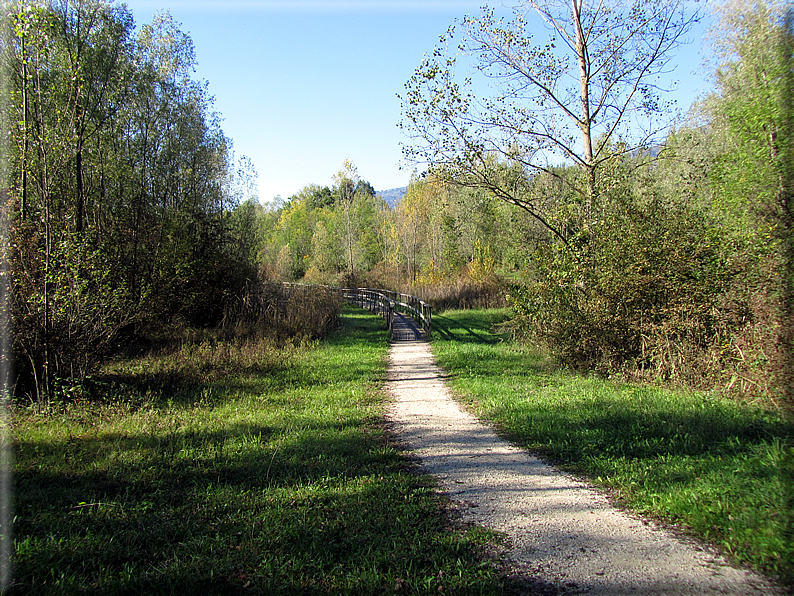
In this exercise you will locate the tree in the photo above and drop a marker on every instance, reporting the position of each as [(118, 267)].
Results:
[(345, 180), (364, 214), (755, 109), (411, 215), (596, 80), (120, 174), (418, 218), (243, 181), (295, 234), (246, 238), (316, 196), (73, 59), (97, 48), (328, 254), (365, 188)]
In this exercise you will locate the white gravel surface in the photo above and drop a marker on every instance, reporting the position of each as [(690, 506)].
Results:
[(560, 531)]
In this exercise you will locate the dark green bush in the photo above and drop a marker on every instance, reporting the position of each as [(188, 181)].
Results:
[(66, 312), (641, 295)]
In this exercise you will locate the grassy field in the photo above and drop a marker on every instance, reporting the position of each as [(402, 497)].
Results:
[(244, 467), (722, 469), (233, 468)]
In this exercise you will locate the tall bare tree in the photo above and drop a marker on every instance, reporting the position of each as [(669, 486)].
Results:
[(345, 181), (593, 83)]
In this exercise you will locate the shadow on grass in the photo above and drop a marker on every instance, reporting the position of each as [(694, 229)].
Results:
[(720, 467), (326, 510), (574, 432), (469, 326), (615, 419), (310, 500), (182, 373), (245, 455)]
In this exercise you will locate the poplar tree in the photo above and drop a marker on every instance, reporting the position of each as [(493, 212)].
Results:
[(530, 105)]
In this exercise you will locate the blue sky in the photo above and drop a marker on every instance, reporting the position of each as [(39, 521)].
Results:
[(304, 84)]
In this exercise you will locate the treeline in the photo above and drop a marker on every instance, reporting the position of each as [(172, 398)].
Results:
[(668, 260), (121, 187), (669, 277), (346, 235)]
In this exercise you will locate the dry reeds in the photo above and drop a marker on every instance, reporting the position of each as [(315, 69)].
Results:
[(462, 295), (282, 311)]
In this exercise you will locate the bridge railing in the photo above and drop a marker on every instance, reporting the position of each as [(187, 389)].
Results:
[(386, 303), (375, 301), (412, 306)]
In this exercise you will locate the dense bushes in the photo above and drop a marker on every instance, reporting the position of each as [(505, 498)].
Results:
[(658, 288), (642, 295), (66, 311), (120, 187)]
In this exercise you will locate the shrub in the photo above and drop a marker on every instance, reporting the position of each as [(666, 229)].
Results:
[(66, 313), (642, 297)]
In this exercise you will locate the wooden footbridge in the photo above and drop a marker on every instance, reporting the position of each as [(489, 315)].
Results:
[(407, 317)]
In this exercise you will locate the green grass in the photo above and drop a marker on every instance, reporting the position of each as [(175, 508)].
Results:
[(229, 469), (722, 469)]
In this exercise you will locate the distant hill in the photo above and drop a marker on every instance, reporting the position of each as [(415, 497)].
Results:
[(393, 195)]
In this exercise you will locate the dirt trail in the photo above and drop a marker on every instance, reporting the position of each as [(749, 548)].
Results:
[(560, 531)]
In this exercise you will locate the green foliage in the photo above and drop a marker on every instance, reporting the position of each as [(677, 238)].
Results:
[(428, 238), (754, 81), (67, 313), (720, 468), (294, 233), (325, 235), (118, 159), (642, 296), (327, 252), (662, 281), (247, 241), (315, 195), (755, 176)]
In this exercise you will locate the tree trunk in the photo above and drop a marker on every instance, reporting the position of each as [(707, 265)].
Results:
[(78, 166), (786, 207), (24, 207), (585, 121)]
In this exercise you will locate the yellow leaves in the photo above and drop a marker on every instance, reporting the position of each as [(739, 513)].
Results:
[(481, 267), (432, 275)]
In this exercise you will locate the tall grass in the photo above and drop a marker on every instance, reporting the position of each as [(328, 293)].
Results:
[(265, 316), (463, 294), (721, 468), (217, 469), (279, 310)]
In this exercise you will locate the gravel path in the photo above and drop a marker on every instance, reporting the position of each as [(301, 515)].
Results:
[(561, 533)]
